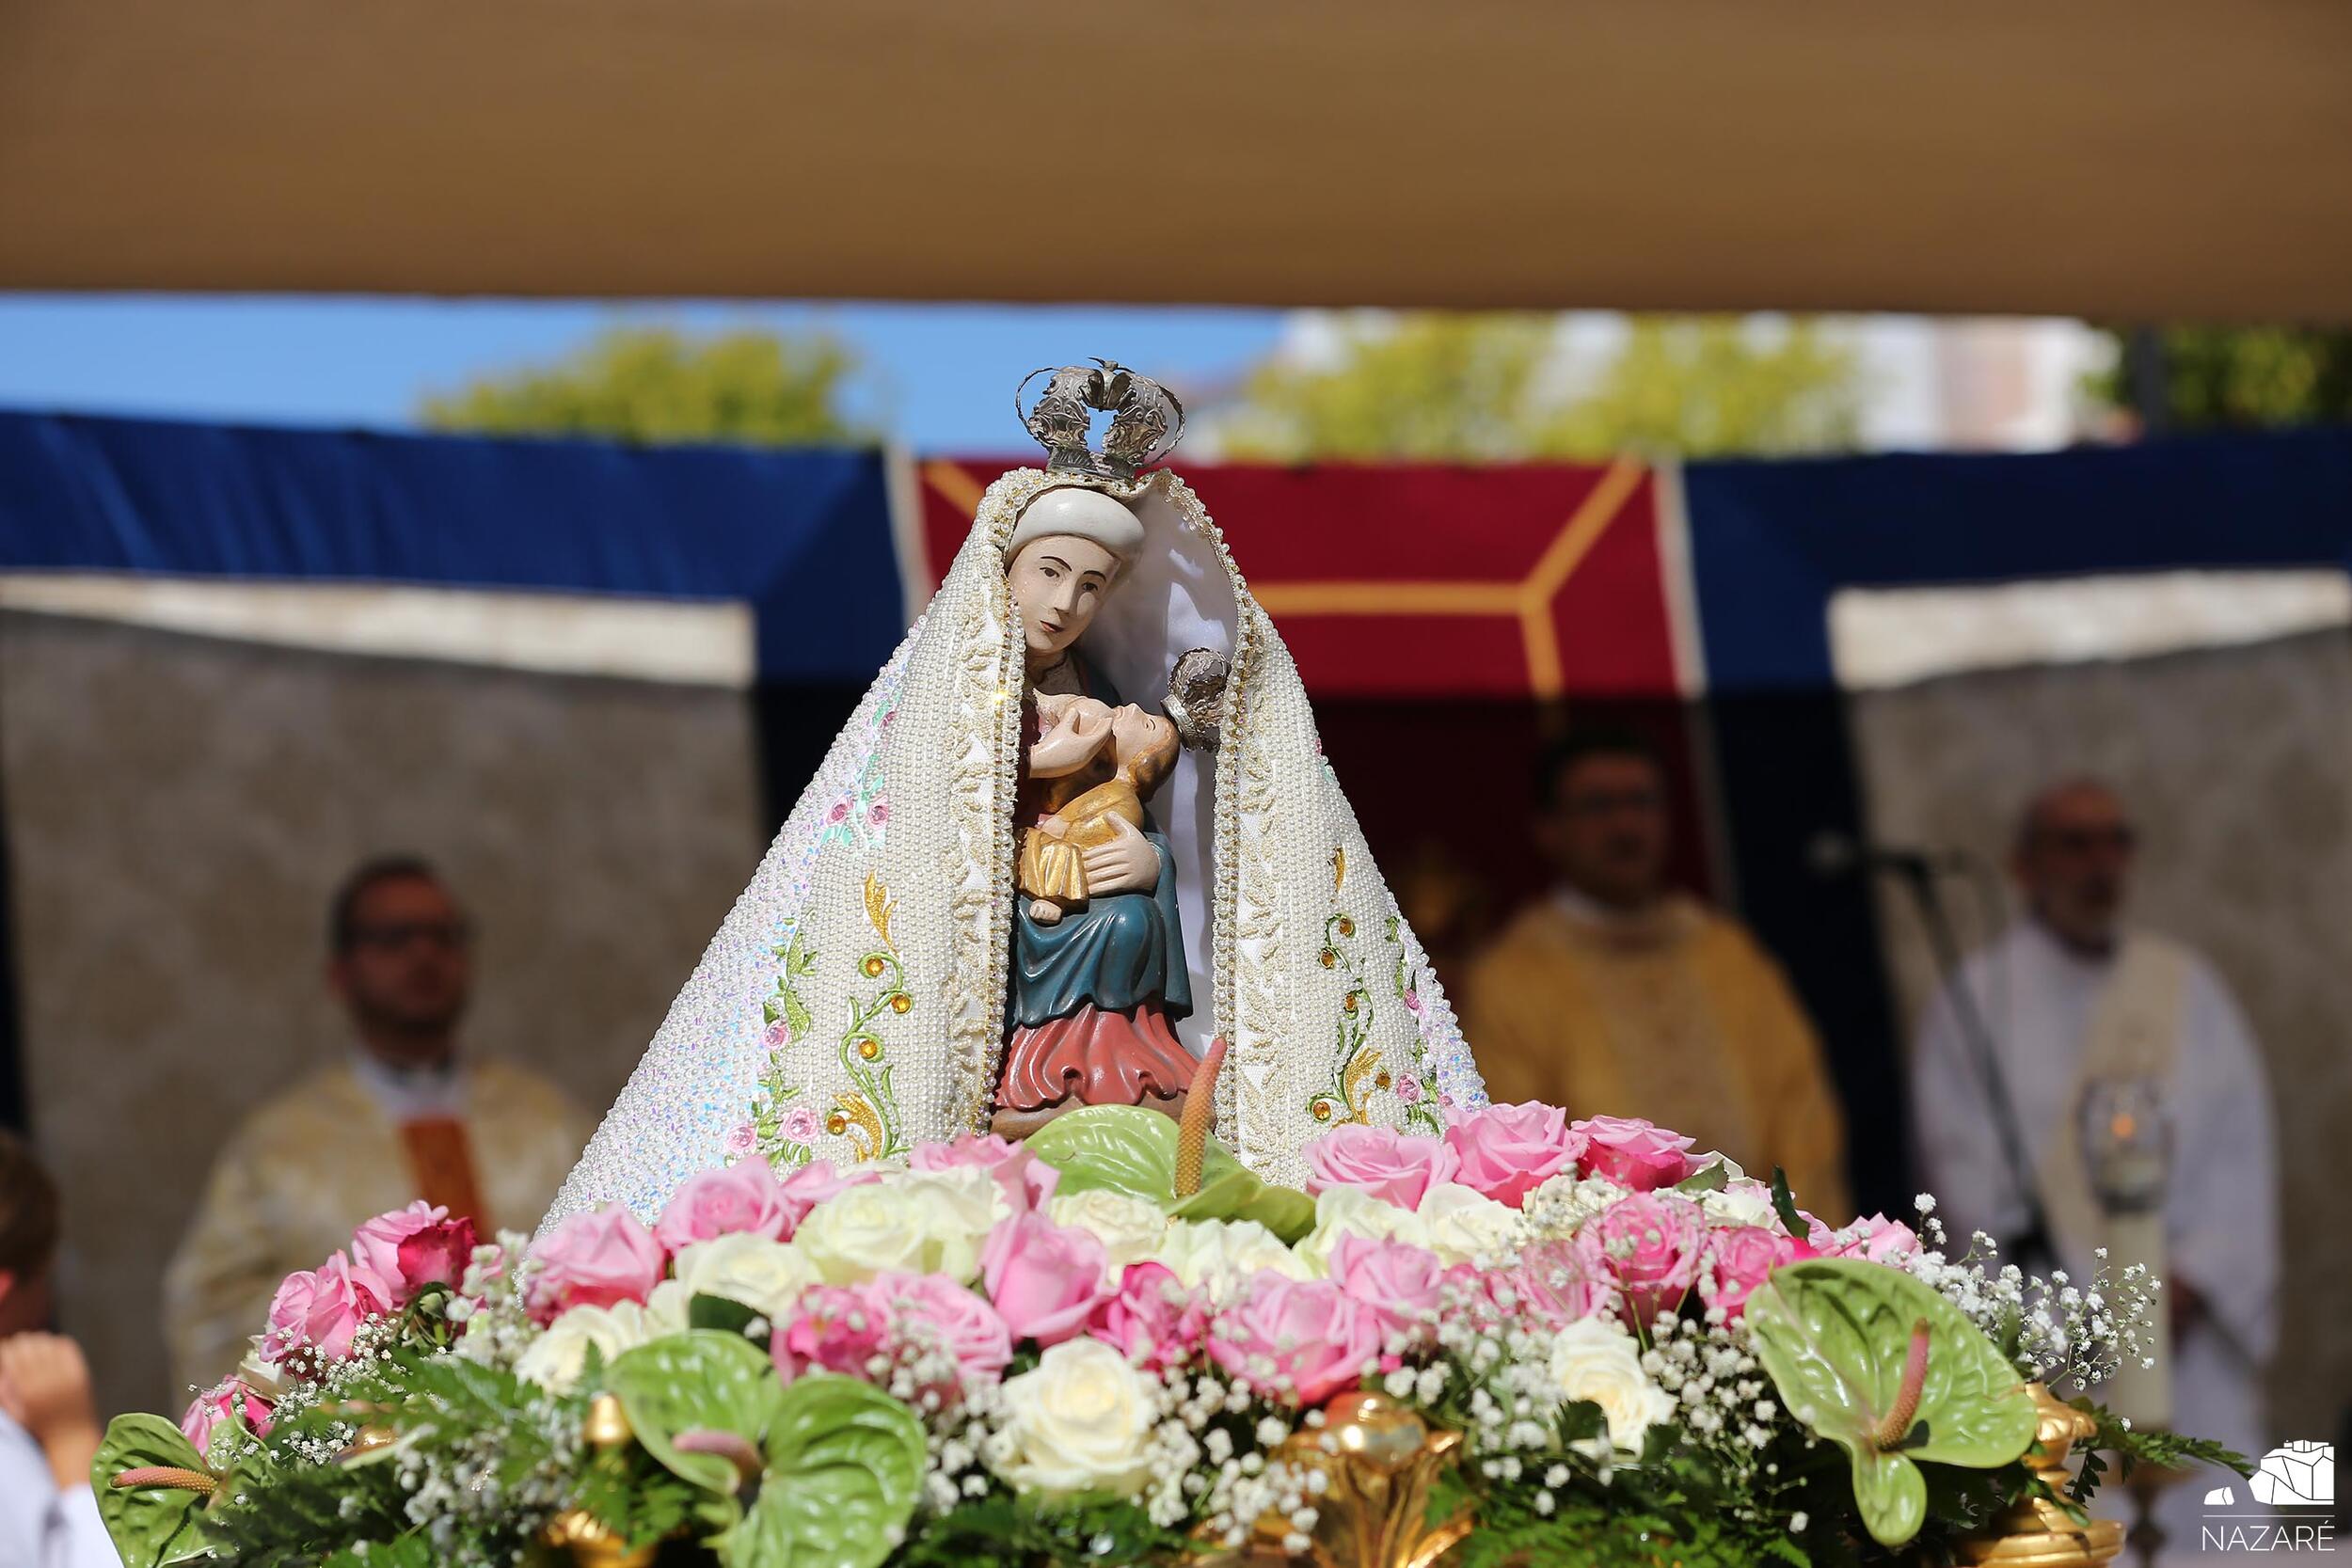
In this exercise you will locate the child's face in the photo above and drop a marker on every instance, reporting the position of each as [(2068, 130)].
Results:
[(1135, 733)]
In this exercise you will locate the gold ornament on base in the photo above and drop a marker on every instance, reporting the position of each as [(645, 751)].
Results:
[(588, 1539), (2041, 1534), (1379, 1460)]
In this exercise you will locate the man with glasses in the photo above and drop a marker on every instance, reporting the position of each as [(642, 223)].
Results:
[(1616, 994), (404, 1115), (2123, 1075)]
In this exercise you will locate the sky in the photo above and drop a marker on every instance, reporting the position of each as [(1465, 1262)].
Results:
[(942, 375)]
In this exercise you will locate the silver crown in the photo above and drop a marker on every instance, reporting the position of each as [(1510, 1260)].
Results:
[(1147, 422), (1196, 697)]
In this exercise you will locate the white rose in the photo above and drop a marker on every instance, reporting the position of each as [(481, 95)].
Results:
[(1741, 1203), (1595, 1359), (1130, 1229), (1352, 1212), (928, 1222), (557, 1358), (1223, 1255), (1079, 1421), (1467, 1226), (766, 1276)]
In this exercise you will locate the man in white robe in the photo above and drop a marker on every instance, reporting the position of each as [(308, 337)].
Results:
[(2064, 991)]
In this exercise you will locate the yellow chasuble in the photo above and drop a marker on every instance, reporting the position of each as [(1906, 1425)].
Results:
[(1673, 1014), (305, 1169)]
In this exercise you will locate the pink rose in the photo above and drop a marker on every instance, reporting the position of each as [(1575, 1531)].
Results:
[(734, 1199), (230, 1403), (814, 1182), (927, 1311), (1399, 1283), (1558, 1282), (1151, 1319), (1653, 1242), (437, 1254), (1507, 1151), (1739, 1258), (1634, 1153), (319, 1312), (834, 1328), (375, 1246), (594, 1260), (1876, 1239), (1026, 1180), (1297, 1339), (1391, 1165), (1046, 1279)]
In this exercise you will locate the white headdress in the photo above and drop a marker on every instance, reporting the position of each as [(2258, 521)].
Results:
[(853, 1004)]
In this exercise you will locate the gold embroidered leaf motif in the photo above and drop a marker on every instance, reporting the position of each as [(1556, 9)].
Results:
[(866, 1128), (1339, 868), (878, 910), (1367, 1062)]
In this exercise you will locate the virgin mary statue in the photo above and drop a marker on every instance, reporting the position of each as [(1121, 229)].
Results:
[(889, 978)]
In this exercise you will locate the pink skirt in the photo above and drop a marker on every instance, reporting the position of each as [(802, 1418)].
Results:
[(1104, 1058)]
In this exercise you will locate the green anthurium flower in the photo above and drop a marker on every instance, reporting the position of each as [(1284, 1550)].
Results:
[(153, 1519), (1883, 1366), (1132, 1149), (844, 1470)]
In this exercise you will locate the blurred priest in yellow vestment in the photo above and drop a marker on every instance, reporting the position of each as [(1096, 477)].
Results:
[(1616, 994), (403, 1116)]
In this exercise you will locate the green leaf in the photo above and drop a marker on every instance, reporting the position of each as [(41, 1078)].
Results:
[(845, 1470), (1835, 1333), (1707, 1179), (150, 1526), (1123, 1149), (1285, 1210), (720, 1314), (1784, 1205), (702, 1379)]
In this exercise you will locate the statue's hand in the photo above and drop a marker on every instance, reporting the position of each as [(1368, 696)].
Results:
[(1128, 864)]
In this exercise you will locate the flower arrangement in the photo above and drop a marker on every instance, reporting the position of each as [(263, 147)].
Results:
[(1113, 1343)]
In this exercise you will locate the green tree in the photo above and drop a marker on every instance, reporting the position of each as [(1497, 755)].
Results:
[(657, 384), (2236, 377), (1485, 387)]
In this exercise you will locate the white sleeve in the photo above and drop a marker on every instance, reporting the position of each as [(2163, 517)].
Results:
[(2222, 1212), (78, 1537), (1960, 1147)]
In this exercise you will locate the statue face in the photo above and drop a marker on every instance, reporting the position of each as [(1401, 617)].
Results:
[(1059, 582)]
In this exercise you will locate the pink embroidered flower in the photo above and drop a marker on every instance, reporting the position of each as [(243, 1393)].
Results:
[(815, 1181), (1395, 1168), (1634, 1153), (732, 1200), (1398, 1282), (1296, 1340), (777, 1035), (1413, 1002), (933, 1311), (801, 1125), (320, 1311), (594, 1260), (1653, 1242), (229, 1403), (1046, 1279), (834, 1328), (410, 1248), (879, 813), (1559, 1282), (1739, 1258), (1409, 1090), (840, 812), (1026, 1180), (1153, 1320), (1507, 1151), (741, 1140)]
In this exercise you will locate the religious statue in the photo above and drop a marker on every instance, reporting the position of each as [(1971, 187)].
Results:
[(1079, 827)]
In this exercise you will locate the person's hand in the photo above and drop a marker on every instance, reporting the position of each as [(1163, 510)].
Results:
[(1072, 743), (1128, 864), (44, 1388)]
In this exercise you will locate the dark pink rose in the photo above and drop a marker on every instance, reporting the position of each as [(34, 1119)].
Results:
[(1634, 1153), (1153, 1320), (834, 1328), (229, 1403), (738, 1199), (1398, 1282), (931, 1311), (1558, 1282), (375, 1246), (437, 1254), (1393, 1166), (1295, 1341), (1653, 1242), (1026, 1180), (815, 1181), (594, 1260), (1508, 1151), (1739, 1258), (1046, 1279), (318, 1312)]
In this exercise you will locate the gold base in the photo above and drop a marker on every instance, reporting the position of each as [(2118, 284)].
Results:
[(2040, 1534), (1379, 1460)]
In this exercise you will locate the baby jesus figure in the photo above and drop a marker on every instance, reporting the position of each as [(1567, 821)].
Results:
[(1084, 806)]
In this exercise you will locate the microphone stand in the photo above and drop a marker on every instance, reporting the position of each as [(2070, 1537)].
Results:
[(1918, 878)]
